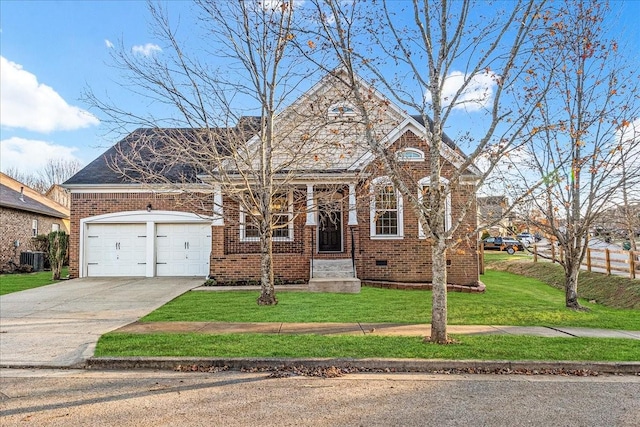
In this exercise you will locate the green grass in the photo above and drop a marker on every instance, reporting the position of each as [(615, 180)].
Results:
[(10, 283), (509, 300), (612, 291), (490, 347)]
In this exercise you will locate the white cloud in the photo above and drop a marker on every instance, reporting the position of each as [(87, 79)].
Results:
[(108, 44), (477, 94), (29, 155), (146, 50), (27, 104)]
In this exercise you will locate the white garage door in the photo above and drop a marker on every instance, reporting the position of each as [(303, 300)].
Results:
[(116, 250), (183, 249)]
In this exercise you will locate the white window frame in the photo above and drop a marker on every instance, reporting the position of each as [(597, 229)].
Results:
[(288, 213), (34, 227), (55, 227), (344, 110), (426, 182), (384, 180), (415, 155)]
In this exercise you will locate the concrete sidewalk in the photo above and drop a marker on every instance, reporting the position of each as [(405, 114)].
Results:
[(383, 329)]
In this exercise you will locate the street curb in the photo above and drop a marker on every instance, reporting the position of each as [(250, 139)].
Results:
[(383, 365)]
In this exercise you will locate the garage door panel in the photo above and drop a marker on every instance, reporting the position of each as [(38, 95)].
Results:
[(116, 250), (183, 249)]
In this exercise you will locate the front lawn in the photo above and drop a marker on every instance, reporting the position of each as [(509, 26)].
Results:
[(487, 347), (22, 281), (509, 300)]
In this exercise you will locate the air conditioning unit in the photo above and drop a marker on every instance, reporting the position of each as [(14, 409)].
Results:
[(34, 259)]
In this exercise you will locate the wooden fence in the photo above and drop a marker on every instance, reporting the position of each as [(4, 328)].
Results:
[(609, 260)]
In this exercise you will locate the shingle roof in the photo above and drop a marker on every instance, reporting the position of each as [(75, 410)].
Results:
[(109, 168), (26, 200)]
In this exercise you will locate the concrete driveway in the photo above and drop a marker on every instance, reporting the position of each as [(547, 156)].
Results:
[(59, 325)]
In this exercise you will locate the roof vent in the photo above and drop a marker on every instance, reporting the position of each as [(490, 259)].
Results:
[(22, 194)]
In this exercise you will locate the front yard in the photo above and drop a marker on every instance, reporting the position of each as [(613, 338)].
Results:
[(510, 300)]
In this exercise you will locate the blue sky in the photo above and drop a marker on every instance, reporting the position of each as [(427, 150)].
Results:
[(51, 51)]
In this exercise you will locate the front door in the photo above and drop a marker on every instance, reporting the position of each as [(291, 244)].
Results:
[(330, 227)]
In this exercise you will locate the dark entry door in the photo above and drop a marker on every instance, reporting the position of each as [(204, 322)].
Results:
[(329, 229)]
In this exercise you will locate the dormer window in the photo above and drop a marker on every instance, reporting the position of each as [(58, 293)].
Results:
[(410, 155), (341, 110)]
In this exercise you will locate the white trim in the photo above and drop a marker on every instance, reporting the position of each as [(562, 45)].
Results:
[(426, 182), (353, 212), (384, 180), (137, 188), (150, 219), (218, 208), (311, 218)]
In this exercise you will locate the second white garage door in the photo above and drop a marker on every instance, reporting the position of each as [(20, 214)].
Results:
[(183, 249)]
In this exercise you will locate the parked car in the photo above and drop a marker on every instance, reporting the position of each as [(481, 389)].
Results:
[(508, 244), (527, 239)]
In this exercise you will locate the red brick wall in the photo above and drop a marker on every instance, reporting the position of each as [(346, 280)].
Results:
[(407, 259), (16, 225), (84, 205)]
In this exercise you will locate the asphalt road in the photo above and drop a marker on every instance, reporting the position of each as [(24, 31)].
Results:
[(134, 398)]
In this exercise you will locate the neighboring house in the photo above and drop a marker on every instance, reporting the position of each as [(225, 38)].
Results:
[(25, 213), (348, 211), (492, 215), (60, 195)]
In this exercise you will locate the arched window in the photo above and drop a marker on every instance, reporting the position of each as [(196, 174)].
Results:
[(424, 186), (410, 155), (341, 110), (386, 211)]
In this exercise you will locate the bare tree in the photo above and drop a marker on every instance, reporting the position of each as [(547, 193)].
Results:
[(578, 142), (55, 171), (437, 59), (229, 128)]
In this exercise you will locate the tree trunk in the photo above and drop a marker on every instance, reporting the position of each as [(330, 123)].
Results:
[(439, 293), (571, 272), (267, 289)]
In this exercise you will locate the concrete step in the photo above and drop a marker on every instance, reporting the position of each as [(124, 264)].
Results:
[(332, 268), (342, 285)]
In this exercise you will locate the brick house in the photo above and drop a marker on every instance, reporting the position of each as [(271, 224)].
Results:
[(25, 213), (340, 210)]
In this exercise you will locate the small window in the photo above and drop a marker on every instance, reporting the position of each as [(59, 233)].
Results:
[(55, 227), (410, 155), (34, 227), (342, 110)]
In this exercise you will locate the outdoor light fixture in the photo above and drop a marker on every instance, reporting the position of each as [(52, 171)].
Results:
[(149, 207)]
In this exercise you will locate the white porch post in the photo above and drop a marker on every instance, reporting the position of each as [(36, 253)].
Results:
[(353, 215), (218, 212), (311, 215)]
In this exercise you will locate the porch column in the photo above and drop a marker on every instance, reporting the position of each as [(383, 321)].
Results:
[(353, 215), (218, 212), (311, 215)]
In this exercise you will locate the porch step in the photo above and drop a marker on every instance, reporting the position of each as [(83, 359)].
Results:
[(334, 275), (345, 286), (332, 268)]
